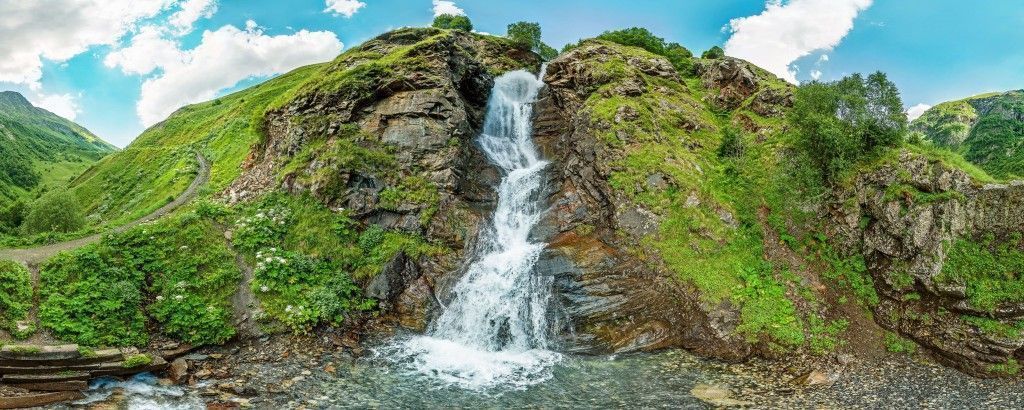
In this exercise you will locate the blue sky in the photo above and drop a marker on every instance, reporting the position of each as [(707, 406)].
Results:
[(117, 66)]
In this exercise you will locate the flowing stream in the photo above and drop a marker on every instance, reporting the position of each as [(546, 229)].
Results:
[(494, 330)]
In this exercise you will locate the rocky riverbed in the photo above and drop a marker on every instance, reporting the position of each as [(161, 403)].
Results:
[(316, 372)]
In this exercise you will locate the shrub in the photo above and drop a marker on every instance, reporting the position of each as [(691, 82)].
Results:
[(54, 212), (732, 145), (12, 217), (86, 300), (897, 344), (454, 22), (713, 53), (15, 294), (525, 35), (679, 56), (839, 124)]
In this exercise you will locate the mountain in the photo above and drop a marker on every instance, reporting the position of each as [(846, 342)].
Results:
[(41, 149), (987, 129), (679, 212)]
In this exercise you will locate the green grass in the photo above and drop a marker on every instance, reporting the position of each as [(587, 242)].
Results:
[(895, 343), (995, 327), (15, 294), (991, 269)]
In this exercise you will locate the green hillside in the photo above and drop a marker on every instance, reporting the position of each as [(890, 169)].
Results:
[(40, 149), (987, 129)]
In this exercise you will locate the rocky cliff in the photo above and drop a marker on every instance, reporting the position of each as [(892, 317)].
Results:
[(945, 253)]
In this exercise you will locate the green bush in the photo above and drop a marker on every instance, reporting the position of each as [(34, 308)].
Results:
[(732, 145), (302, 291), (54, 212), (897, 344), (713, 53), (181, 265), (525, 35), (451, 21), (87, 300), (841, 123), (680, 57), (991, 269), (12, 217), (15, 294)]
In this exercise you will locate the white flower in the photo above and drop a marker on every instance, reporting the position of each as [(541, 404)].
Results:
[(160, 297), (178, 297), (264, 288), (288, 308), (269, 259), (183, 247), (273, 249)]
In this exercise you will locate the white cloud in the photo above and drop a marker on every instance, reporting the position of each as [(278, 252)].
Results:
[(823, 59), (784, 32), (916, 111), (148, 51), (64, 105), (57, 30), (447, 7), (345, 8), (815, 75), (191, 11), (223, 58)]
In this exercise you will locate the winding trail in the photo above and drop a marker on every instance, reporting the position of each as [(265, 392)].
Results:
[(32, 257)]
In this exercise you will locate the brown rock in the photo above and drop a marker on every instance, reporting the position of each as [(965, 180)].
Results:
[(178, 371)]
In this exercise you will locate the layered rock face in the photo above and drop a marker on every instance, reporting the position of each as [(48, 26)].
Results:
[(610, 298), (390, 141), (907, 220)]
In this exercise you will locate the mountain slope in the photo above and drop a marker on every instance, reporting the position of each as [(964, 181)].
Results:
[(987, 129), (40, 148)]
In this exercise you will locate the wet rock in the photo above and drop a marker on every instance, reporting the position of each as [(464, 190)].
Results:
[(717, 396), (178, 371)]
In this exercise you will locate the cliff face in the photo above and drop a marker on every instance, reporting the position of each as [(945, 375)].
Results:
[(944, 252), (387, 135)]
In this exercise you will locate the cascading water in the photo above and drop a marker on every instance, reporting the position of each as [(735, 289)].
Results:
[(494, 330)]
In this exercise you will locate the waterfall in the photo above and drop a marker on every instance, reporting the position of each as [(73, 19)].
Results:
[(494, 330)]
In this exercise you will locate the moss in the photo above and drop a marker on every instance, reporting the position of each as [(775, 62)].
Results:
[(1010, 368), (824, 336), (995, 327), (894, 343), (138, 360)]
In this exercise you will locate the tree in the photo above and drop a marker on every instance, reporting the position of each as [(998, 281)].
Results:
[(547, 52), (636, 37), (453, 22), (12, 217), (54, 212), (840, 123), (680, 57), (713, 53), (525, 35)]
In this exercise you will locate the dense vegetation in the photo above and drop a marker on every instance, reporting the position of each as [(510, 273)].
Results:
[(15, 296), (177, 272), (840, 124), (453, 22), (679, 56), (39, 150)]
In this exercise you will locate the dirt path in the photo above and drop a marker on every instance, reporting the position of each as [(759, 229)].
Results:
[(32, 257)]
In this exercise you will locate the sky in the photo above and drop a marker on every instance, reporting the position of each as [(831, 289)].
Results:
[(119, 66)]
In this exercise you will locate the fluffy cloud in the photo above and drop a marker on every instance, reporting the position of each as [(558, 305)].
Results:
[(191, 11), (447, 7), (56, 30), (223, 58), (815, 75), (344, 7), (148, 51), (64, 105), (784, 32), (916, 111)]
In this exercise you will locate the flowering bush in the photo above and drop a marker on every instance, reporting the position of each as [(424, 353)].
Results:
[(261, 230), (302, 291)]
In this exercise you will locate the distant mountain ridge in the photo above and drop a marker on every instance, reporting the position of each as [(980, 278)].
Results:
[(39, 147), (988, 129)]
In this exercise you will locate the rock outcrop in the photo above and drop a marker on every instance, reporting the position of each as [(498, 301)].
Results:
[(904, 218), (388, 136), (608, 298)]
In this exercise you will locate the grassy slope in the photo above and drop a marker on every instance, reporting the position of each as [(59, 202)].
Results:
[(40, 150), (993, 139)]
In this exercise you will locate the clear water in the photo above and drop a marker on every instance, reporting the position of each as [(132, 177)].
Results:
[(141, 392), (494, 330)]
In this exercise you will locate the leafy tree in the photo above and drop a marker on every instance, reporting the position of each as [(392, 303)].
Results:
[(679, 56), (547, 52), (524, 34), (713, 53), (54, 212), (454, 22), (840, 123), (12, 217)]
